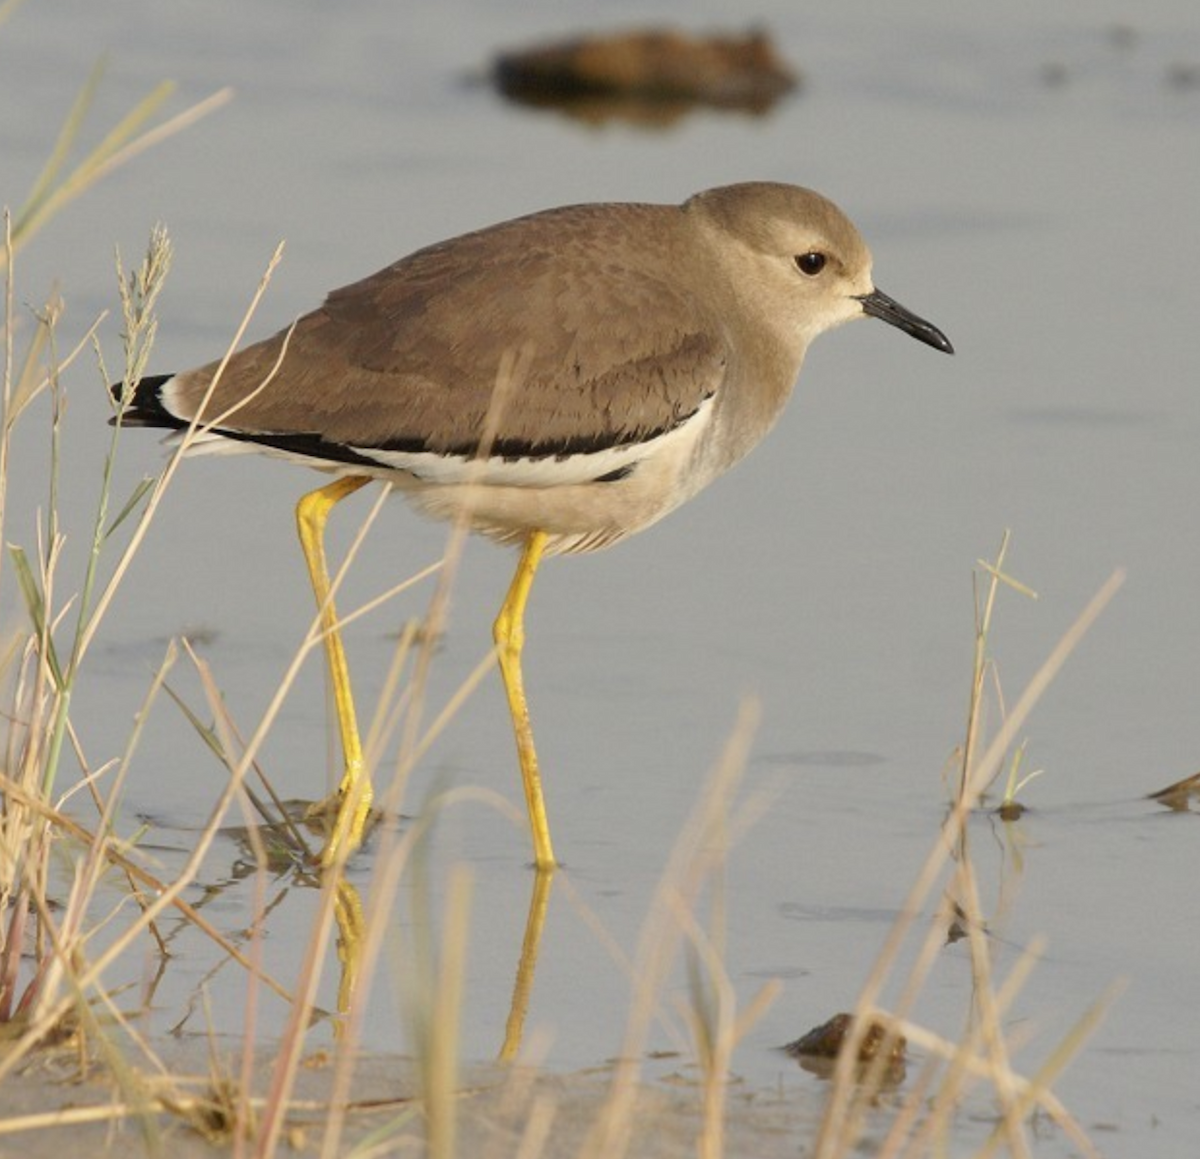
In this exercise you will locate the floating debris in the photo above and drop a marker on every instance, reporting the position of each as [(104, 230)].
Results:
[(627, 73), (1181, 796), (1011, 810), (957, 927), (817, 1051)]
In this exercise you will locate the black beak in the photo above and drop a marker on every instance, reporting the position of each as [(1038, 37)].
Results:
[(877, 304)]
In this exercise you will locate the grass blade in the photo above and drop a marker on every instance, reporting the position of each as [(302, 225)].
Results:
[(131, 504), (36, 608)]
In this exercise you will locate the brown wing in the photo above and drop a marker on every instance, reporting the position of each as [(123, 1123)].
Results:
[(407, 359)]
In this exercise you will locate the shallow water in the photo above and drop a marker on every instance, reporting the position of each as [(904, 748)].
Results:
[(1027, 181)]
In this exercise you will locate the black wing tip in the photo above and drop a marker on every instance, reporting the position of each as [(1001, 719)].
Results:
[(143, 407)]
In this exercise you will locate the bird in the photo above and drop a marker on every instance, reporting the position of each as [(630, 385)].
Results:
[(643, 349)]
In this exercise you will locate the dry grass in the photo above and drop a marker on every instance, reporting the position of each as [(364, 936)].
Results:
[(925, 1121)]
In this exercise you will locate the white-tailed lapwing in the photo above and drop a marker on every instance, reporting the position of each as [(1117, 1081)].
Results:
[(658, 344)]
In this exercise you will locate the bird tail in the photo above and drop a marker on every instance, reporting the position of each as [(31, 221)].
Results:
[(144, 407)]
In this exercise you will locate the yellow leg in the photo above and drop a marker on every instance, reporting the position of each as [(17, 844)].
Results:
[(509, 634), (354, 792)]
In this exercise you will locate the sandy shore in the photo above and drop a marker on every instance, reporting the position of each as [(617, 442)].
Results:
[(48, 1108)]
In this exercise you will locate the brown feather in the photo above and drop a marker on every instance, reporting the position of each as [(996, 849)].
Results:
[(408, 357)]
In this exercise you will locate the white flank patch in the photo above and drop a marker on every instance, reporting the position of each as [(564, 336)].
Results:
[(542, 471)]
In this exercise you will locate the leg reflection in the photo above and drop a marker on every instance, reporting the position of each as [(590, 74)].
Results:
[(351, 934), (539, 901)]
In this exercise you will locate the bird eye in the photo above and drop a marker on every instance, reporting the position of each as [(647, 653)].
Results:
[(810, 264)]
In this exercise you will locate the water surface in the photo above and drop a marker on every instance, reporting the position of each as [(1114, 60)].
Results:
[(1026, 180)]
